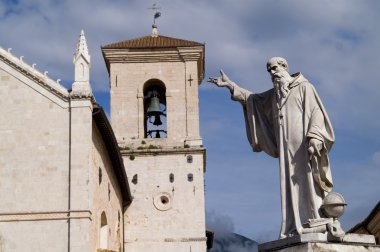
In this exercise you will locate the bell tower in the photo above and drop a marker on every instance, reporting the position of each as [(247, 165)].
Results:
[(155, 116)]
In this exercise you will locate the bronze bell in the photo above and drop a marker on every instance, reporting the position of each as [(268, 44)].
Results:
[(154, 106), (155, 110)]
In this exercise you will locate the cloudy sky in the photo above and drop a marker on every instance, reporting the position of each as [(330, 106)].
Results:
[(335, 44)]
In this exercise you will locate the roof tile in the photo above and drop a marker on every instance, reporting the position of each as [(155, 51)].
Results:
[(152, 42)]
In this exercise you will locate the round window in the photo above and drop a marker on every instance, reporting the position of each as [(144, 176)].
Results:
[(162, 201)]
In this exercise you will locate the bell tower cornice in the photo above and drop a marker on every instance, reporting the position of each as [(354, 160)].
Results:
[(152, 49), (179, 54)]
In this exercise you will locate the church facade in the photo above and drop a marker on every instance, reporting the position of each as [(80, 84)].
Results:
[(71, 180)]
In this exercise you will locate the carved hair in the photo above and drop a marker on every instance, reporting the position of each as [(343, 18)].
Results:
[(280, 61)]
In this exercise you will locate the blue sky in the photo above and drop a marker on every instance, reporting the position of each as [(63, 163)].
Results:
[(335, 44)]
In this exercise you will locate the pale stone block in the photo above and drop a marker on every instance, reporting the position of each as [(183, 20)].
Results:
[(320, 241), (166, 246), (327, 247), (48, 145), (44, 236)]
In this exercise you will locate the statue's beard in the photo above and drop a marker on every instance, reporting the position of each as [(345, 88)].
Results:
[(281, 85)]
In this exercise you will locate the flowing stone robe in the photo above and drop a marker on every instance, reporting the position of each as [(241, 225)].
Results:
[(282, 129)]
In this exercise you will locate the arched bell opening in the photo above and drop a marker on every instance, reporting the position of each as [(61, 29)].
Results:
[(155, 109)]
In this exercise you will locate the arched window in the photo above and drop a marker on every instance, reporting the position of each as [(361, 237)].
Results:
[(155, 109), (103, 238)]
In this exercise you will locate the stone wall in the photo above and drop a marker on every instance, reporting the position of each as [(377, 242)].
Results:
[(34, 153), (106, 196), (33, 236), (33, 148), (34, 170), (168, 209)]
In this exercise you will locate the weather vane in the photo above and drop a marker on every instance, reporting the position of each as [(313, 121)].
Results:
[(157, 14)]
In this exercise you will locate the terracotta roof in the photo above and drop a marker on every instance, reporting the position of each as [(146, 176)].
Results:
[(152, 42), (370, 225)]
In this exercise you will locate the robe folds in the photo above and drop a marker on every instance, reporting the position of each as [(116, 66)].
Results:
[(282, 129)]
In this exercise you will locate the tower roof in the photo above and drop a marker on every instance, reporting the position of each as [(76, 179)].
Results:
[(152, 42), (155, 48)]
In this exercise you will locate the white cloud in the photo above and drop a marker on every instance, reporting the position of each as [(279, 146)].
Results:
[(220, 223)]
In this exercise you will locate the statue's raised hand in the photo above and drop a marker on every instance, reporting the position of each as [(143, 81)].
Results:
[(222, 81)]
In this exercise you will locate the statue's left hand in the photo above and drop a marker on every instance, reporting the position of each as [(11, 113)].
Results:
[(315, 146)]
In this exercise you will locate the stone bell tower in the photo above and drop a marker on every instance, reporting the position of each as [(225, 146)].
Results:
[(154, 113)]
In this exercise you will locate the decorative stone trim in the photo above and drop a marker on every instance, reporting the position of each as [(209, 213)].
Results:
[(184, 239), (32, 73), (189, 239), (177, 54), (162, 151), (39, 216), (83, 94)]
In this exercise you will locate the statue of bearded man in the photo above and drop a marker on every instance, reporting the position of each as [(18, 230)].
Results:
[(289, 122)]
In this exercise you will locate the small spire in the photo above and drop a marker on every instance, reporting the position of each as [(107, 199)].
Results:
[(82, 48), (154, 31), (81, 86)]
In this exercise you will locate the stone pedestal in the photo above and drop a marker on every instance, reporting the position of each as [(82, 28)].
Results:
[(318, 242)]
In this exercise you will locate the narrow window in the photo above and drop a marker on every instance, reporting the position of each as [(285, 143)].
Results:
[(189, 158), (82, 69), (190, 177), (135, 179), (109, 192), (100, 175), (171, 177)]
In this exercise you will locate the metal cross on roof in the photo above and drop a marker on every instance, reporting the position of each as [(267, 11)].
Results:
[(157, 14)]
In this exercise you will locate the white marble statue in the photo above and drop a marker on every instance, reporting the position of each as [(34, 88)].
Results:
[(289, 122)]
